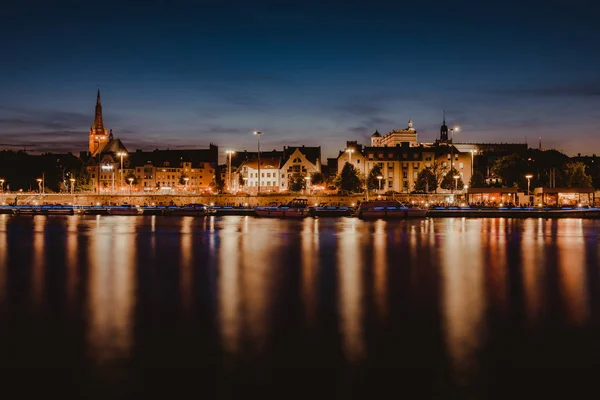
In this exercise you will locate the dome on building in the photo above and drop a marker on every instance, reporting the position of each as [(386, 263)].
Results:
[(376, 134)]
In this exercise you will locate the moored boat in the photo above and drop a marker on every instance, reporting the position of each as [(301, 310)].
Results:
[(386, 209), (125, 209), (190, 210), (331, 211), (297, 208)]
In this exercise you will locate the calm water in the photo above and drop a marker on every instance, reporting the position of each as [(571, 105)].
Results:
[(234, 307)]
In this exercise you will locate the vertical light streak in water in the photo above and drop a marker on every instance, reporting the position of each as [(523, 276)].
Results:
[(533, 261), (257, 271), (3, 256), (71, 258), (380, 269), (229, 284), (310, 267), (496, 261), (111, 287), (463, 300), (38, 264), (571, 268), (350, 291), (185, 272)]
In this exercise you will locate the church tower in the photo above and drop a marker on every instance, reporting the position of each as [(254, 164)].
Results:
[(444, 130), (98, 135)]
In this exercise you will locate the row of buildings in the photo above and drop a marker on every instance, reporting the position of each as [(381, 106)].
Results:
[(399, 154)]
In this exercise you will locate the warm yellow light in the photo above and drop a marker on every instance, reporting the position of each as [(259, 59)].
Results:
[(466, 186)]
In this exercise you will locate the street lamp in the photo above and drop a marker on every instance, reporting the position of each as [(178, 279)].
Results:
[(39, 181), (110, 168), (456, 178), (72, 180), (1, 185), (456, 128), (473, 152), (186, 179), (258, 133), (229, 153), (307, 183), (130, 183), (350, 151), (379, 178), (121, 154), (528, 176)]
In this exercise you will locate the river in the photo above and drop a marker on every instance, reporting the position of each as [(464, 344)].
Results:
[(241, 307)]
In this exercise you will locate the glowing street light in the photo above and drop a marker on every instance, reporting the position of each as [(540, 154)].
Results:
[(110, 168), (473, 152), (229, 154), (130, 183), (1, 185), (379, 178), (121, 154), (528, 176), (72, 180), (456, 128), (258, 133), (186, 180), (307, 183), (39, 181), (456, 178)]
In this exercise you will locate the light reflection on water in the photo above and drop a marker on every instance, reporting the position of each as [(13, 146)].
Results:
[(344, 293)]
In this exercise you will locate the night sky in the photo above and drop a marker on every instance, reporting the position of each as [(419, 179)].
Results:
[(183, 74)]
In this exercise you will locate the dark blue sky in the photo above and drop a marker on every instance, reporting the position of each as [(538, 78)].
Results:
[(183, 73)]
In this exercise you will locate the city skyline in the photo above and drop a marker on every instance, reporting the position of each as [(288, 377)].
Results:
[(302, 74)]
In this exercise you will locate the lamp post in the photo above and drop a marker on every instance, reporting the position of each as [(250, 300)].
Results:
[(39, 181), (452, 146), (307, 184), (121, 154), (528, 176), (246, 184), (130, 183), (72, 180), (473, 152), (258, 133), (110, 168), (379, 178), (229, 154), (350, 151), (186, 180), (456, 178), (2, 185)]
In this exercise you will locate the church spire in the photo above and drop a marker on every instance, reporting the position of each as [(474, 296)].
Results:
[(98, 123)]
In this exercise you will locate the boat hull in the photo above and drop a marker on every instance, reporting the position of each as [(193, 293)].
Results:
[(279, 213)]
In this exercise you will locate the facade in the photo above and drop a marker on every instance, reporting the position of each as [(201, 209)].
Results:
[(180, 170), (396, 137), (276, 168)]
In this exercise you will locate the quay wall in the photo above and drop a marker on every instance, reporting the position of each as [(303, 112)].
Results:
[(224, 199)]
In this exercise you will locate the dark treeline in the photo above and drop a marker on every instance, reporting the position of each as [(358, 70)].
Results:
[(21, 171)]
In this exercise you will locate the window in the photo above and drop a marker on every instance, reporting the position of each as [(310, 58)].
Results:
[(461, 166), (390, 184), (391, 165), (268, 174), (379, 155), (370, 156), (404, 155), (416, 156), (415, 175), (416, 165), (405, 174), (358, 161), (391, 155), (262, 174)]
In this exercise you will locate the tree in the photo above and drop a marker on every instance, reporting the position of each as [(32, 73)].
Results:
[(450, 183), (241, 180), (297, 182), (511, 169), (349, 179), (439, 171), (317, 178), (372, 181), (576, 177), (426, 181), (218, 184), (477, 180)]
